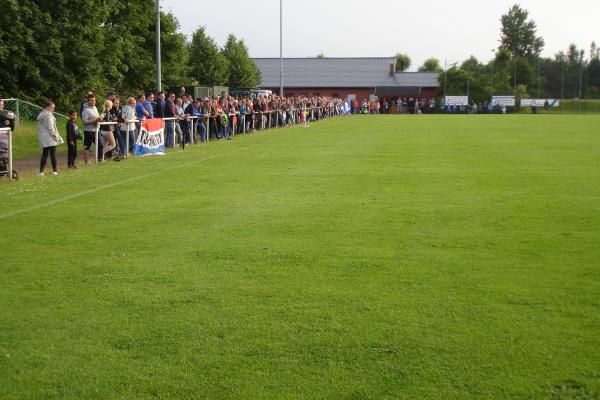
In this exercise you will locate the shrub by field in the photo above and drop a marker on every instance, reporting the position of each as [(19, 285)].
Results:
[(414, 257)]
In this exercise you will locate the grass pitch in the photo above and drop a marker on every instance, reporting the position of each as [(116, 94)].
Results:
[(414, 257)]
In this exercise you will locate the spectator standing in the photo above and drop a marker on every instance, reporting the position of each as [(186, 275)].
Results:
[(149, 105), (48, 137), (107, 130), (72, 138), (111, 96), (243, 109), (159, 105), (180, 113), (140, 111), (117, 116), (127, 126), (195, 110), (90, 118), (169, 112), (84, 102), (187, 100)]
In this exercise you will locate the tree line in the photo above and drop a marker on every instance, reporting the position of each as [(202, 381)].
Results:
[(518, 68), (58, 49)]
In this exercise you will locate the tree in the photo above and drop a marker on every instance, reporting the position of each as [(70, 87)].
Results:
[(472, 65), (243, 72), (207, 63), (519, 35), (431, 65), (575, 56), (109, 45), (594, 52), (320, 55), (403, 62)]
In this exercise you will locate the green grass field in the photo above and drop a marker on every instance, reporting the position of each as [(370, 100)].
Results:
[(399, 257)]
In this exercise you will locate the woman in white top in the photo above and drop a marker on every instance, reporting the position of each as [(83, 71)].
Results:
[(128, 117), (48, 137)]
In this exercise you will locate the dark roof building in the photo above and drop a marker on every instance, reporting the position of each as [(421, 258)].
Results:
[(345, 77)]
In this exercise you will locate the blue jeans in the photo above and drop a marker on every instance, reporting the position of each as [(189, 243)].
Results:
[(202, 129), (120, 138), (169, 134), (226, 133)]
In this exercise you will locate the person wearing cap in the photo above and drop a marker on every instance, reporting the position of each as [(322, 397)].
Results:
[(111, 96)]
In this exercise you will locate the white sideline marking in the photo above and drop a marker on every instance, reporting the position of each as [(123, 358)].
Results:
[(111, 185)]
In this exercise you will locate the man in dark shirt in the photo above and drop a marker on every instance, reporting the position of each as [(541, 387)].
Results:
[(159, 106), (169, 112)]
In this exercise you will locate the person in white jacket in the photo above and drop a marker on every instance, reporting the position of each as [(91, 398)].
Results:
[(48, 137)]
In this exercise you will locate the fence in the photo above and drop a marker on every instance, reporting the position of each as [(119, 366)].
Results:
[(25, 111), (250, 121)]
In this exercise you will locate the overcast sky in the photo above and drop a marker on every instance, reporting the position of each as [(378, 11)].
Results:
[(451, 29)]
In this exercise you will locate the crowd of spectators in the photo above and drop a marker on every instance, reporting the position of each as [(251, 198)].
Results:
[(187, 120), (399, 105), (410, 105)]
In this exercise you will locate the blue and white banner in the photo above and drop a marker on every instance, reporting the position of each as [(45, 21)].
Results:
[(540, 102), (151, 140)]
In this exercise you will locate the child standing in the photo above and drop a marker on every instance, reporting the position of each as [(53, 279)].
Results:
[(72, 137)]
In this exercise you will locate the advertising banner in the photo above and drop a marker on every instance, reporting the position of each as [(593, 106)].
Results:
[(508, 101), (151, 140), (457, 100), (540, 102)]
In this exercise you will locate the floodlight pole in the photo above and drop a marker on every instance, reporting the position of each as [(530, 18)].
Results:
[(468, 84), (158, 66), (280, 48), (538, 78), (445, 75), (562, 78), (492, 78), (515, 69), (580, 81)]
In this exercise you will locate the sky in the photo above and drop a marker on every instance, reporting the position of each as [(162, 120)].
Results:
[(451, 30)]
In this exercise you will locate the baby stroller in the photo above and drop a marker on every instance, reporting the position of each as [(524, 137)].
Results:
[(4, 157)]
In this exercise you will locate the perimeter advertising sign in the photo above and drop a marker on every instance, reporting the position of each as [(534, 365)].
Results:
[(540, 102), (457, 100), (151, 140), (507, 101)]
